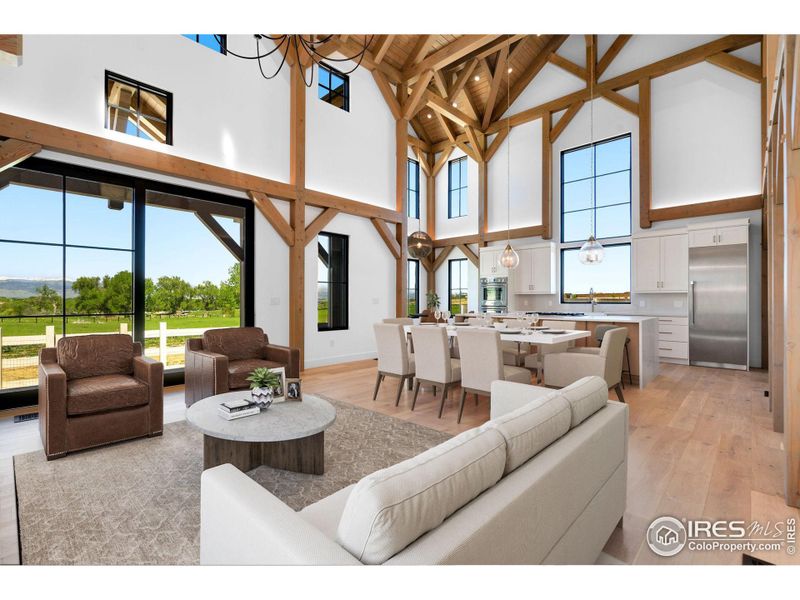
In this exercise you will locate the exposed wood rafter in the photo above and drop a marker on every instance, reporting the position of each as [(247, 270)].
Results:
[(13, 152)]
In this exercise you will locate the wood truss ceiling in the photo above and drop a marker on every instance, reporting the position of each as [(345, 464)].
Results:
[(465, 79)]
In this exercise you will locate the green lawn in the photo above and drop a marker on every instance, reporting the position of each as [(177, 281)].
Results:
[(77, 325)]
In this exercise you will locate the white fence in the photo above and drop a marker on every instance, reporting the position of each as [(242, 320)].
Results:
[(50, 338)]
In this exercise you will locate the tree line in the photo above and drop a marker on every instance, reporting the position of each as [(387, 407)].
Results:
[(112, 294)]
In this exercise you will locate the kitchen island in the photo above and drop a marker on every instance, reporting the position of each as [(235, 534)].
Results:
[(642, 331)]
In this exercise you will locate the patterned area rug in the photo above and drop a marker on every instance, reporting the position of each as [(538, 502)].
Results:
[(138, 503)]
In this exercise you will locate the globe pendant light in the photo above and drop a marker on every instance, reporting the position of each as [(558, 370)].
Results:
[(592, 253), (420, 244), (509, 257)]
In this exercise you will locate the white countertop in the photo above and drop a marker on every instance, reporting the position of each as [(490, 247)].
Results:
[(587, 318)]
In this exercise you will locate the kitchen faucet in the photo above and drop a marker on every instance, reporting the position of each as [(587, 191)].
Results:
[(591, 298)]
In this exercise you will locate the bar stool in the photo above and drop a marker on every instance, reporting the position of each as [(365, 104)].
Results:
[(599, 332)]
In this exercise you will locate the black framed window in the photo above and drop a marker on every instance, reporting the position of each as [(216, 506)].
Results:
[(332, 275), (334, 87), (457, 285), (598, 203), (610, 279), (215, 41), (412, 286), (138, 109), (412, 188), (457, 188), (80, 253)]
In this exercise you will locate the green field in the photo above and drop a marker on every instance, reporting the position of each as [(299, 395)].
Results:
[(82, 325)]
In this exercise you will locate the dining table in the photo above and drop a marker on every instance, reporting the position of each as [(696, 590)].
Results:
[(538, 336)]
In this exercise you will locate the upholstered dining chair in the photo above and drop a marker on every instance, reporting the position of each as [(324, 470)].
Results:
[(482, 363), (535, 359), (434, 365), (599, 334), (514, 353), (565, 368), (393, 357), (402, 321)]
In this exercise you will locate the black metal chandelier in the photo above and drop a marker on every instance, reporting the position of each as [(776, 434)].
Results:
[(307, 45)]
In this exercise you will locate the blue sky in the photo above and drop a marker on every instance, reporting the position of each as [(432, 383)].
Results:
[(177, 242)]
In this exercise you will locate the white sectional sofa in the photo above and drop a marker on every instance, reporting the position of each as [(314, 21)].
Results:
[(543, 481)]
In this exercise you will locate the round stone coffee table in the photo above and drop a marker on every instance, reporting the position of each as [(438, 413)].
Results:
[(289, 435)]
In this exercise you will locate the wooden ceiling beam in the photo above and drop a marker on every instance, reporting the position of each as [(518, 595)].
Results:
[(351, 207), (419, 129), (442, 160), (383, 47), (439, 260), (565, 119), (415, 100), (273, 216), (495, 145), (469, 151), (368, 61), (422, 158), (616, 47), (461, 80), (387, 236), (568, 66), (441, 83), (467, 251), (418, 143), (318, 224), (680, 61), (388, 93), (736, 65), (475, 143), (445, 124), (621, 101), (448, 55), (500, 69), (441, 106), (13, 152), (536, 65), (420, 51), (591, 57)]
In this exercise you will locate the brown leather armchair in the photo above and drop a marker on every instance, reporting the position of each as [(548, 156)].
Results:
[(222, 360), (97, 389)]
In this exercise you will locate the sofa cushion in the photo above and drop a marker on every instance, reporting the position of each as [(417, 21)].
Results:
[(531, 428), (325, 514), (389, 509), (236, 343), (90, 395), (92, 355), (586, 396), (239, 371)]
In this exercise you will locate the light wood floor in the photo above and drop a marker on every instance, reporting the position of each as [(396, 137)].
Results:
[(701, 446)]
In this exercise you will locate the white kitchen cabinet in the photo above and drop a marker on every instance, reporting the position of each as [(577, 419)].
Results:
[(535, 273), (718, 236), (661, 264), (490, 263)]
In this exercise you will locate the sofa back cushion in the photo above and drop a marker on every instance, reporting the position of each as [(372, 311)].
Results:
[(531, 428), (586, 396), (93, 355), (389, 509), (237, 343)]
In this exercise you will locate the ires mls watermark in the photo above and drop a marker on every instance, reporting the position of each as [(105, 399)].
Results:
[(667, 536)]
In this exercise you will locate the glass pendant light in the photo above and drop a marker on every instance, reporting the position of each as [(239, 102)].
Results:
[(509, 257), (592, 253)]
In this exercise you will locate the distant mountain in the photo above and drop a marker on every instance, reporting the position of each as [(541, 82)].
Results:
[(25, 288)]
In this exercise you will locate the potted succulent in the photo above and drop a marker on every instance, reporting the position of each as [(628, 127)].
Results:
[(263, 383)]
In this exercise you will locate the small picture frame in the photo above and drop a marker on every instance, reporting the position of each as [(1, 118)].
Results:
[(279, 390), (293, 390)]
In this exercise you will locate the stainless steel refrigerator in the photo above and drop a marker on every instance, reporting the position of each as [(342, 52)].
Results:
[(718, 310)]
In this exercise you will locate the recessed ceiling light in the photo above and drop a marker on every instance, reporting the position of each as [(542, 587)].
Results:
[(477, 77), (455, 104), (510, 69), (430, 116)]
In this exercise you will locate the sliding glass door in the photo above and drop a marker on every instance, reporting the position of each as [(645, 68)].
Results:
[(85, 251)]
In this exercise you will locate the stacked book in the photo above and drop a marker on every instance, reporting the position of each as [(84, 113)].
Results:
[(236, 409)]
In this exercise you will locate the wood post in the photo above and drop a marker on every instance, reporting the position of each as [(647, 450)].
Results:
[(645, 156), (297, 217), (547, 176), (401, 202), (483, 200)]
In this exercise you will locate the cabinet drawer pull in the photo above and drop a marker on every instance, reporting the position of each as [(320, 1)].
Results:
[(668, 349), (664, 333)]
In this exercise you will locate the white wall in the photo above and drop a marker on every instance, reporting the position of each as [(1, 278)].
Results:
[(351, 154), (371, 294), (705, 137), (526, 179), (224, 113), (460, 225)]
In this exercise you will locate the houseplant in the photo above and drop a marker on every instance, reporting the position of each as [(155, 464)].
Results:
[(432, 300), (263, 385)]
